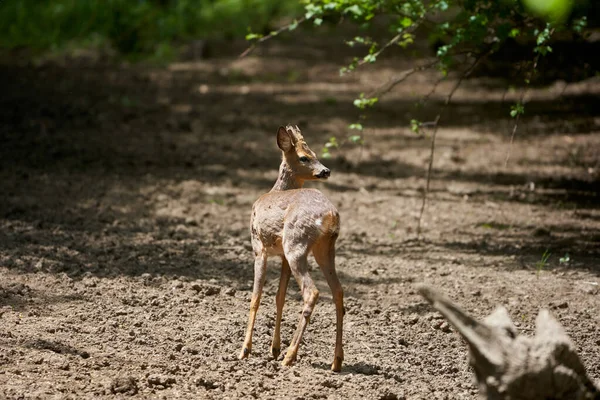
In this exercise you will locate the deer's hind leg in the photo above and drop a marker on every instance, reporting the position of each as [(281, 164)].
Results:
[(260, 269), (297, 256), (284, 279), (324, 252)]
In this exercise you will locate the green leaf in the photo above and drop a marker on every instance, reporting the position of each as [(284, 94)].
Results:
[(579, 24), (355, 10), (252, 36), (318, 21), (363, 102), (415, 125), (517, 109), (406, 22), (355, 138), (356, 126), (442, 51), (370, 58)]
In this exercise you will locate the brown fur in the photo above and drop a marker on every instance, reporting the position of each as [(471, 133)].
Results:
[(291, 222)]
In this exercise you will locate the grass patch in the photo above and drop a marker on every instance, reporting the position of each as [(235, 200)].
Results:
[(542, 263)]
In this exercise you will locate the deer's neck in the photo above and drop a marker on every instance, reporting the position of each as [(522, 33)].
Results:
[(286, 179)]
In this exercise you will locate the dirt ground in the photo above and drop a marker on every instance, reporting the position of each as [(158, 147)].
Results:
[(125, 196)]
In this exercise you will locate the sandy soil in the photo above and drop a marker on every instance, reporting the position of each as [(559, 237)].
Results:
[(125, 195)]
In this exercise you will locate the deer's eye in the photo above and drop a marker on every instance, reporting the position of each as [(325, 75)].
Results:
[(303, 159)]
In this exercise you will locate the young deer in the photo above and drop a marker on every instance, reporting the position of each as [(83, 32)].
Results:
[(290, 222)]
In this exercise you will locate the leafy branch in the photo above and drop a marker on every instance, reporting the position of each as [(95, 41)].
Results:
[(258, 38), (518, 109), (460, 27)]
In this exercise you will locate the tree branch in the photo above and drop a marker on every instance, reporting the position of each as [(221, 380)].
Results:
[(522, 102), (389, 85), (270, 35), (434, 134), (393, 41)]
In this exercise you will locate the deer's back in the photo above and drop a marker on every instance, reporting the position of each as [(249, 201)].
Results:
[(304, 213)]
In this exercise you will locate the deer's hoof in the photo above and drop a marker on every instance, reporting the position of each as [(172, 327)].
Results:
[(244, 353), (288, 360), (275, 351), (337, 364)]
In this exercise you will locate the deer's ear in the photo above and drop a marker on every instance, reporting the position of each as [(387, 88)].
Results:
[(284, 139)]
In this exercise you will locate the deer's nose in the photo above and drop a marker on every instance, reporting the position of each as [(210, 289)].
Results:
[(324, 174)]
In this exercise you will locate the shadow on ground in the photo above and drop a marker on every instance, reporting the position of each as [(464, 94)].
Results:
[(86, 152)]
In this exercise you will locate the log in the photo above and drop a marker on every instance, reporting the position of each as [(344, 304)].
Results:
[(509, 366)]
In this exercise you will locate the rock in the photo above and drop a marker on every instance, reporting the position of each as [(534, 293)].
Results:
[(191, 221), (212, 290), (89, 282), (197, 287), (177, 284), (124, 385), (445, 327), (206, 383), (161, 381), (230, 291), (206, 290), (332, 383), (387, 395), (189, 350)]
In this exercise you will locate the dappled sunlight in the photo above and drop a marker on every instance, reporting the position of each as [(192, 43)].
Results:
[(126, 193)]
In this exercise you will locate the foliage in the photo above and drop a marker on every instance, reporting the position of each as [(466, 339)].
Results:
[(462, 27), (565, 260), (543, 261), (131, 26)]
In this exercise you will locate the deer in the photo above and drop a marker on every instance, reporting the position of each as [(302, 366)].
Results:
[(291, 222)]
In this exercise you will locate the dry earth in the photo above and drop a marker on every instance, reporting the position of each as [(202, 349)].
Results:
[(125, 195)]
